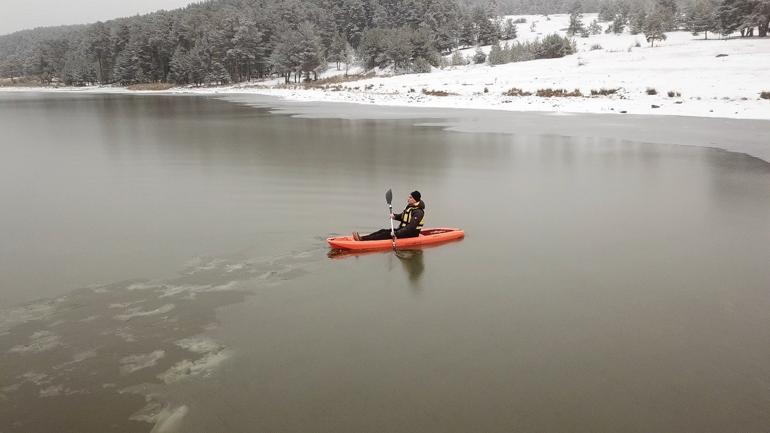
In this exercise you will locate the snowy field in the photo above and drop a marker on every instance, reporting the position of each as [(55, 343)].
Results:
[(708, 78), (710, 86)]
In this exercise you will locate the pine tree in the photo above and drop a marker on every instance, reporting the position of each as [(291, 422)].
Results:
[(458, 59), (703, 18), (496, 55), (575, 19), (310, 58), (760, 16), (217, 74), (637, 19), (595, 28), (78, 69), (421, 42), (667, 12), (554, 46), (488, 32), (336, 52), (479, 57), (247, 50), (371, 49), (607, 11), (618, 24), (180, 66), (398, 47), (100, 48), (654, 27), (126, 66), (509, 30), (730, 16), (467, 34)]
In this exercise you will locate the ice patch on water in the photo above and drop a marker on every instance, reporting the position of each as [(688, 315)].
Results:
[(132, 363), (38, 379), (202, 265), (199, 344), (200, 367), (150, 412), (213, 355), (224, 287), (27, 313), (82, 356), (170, 290), (39, 342), (99, 290), (78, 357), (170, 420), (125, 304), (235, 267), (192, 290), (166, 419), (136, 312), (10, 388), (142, 286), (52, 391)]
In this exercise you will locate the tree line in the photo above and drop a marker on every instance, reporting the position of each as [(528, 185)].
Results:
[(222, 41), (653, 18)]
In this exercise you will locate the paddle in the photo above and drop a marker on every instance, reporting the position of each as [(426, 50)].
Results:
[(389, 199)]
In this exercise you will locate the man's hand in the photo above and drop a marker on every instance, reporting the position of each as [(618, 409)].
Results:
[(392, 216)]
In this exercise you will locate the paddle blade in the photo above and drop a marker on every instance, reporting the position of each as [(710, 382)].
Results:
[(389, 196)]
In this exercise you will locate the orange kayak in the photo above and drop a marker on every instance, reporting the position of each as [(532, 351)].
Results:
[(427, 237)]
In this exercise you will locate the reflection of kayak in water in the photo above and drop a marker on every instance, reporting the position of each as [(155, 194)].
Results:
[(427, 237)]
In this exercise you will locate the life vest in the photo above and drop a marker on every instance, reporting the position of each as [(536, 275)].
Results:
[(406, 218)]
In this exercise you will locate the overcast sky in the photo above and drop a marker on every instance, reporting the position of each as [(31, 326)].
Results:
[(26, 14)]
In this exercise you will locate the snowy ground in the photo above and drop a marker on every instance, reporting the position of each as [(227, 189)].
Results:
[(709, 86)]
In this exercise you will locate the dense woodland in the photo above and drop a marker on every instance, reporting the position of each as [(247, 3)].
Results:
[(224, 41)]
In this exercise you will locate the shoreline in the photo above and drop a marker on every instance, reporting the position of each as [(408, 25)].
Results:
[(740, 135), (714, 108)]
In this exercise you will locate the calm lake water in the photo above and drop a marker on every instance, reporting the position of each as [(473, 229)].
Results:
[(163, 267)]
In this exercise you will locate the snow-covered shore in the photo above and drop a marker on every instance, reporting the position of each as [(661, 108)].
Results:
[(707, 78), (718, 81)]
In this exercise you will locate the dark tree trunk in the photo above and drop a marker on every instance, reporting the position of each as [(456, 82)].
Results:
[(101, 70)]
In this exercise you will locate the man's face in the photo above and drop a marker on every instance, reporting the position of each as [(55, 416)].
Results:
[(411, 200)]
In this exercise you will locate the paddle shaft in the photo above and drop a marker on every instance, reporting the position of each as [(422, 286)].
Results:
[(392, 230)]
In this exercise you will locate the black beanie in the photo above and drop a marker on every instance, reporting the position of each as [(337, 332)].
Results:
[(416, 195)]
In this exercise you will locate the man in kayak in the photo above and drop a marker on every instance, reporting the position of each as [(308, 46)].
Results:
[(412, 220)]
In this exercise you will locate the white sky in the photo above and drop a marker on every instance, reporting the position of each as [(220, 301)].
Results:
[(25, 14)]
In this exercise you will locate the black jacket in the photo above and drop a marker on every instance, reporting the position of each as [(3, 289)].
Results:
[(411, 229)]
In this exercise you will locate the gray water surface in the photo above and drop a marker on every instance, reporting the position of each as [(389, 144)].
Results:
[(163, 267)]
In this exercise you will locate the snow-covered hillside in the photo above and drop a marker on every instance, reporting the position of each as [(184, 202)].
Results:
[(715, 77), (710, 78)]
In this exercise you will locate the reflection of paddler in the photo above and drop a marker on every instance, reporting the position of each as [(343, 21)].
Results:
[(412, 260), (412, 219)]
